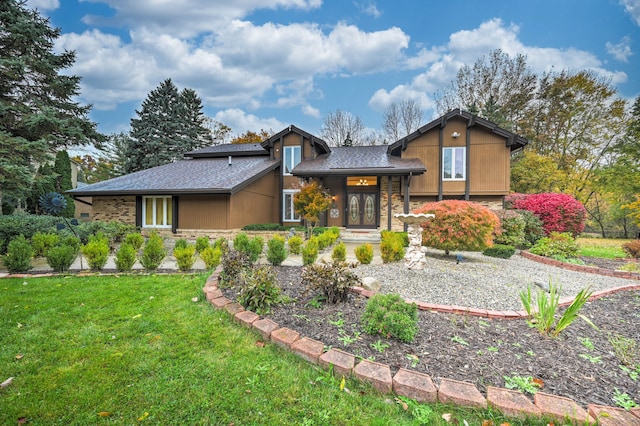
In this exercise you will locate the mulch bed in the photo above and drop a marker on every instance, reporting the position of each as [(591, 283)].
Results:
[(482, 350)]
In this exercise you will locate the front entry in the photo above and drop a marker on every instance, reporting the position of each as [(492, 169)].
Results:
[(362, 208)]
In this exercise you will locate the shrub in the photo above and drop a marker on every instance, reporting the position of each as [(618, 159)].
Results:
[(185, 257), (458, 225), (325, 240), (153, 252), (364, 253), (532, 228), (211, 257), (41, 242), (392, 247), (96, 251), (233, 263), (251, 247), (180, 244), (502, 251), (222, 244), (18, 258), (295, 244), (390, 316), (125, 257), (331, 281), (276, 253), (241, 243), (260, 290), (403, 236), (556, 245), (61, 257), (25, 224), (632, 249), (202, 243), (339, 252), (310, 251), (135, 240), (558, 212), (512, 226)]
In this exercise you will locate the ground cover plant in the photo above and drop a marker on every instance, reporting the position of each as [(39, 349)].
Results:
[(149, 350), (606, 248)]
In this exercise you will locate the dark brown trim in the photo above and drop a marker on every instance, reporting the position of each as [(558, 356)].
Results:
[(407, 196), (389, 204), (82, 201), (139, 211), (440, 160), (467, 167)]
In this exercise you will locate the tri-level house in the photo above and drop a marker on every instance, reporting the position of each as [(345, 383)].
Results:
[(457, 156)]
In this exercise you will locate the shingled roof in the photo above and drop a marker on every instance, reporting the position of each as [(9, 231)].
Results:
[(359, 160), (191, 176), (224, 150)]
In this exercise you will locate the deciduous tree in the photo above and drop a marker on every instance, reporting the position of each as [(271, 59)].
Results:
[(340, 125), (401, 118), (253, 137), (311, 202)]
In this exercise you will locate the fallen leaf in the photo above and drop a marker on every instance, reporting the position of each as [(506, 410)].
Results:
[(22, 420), (342, 383), (260, 344), (19, 356), (20, 325), (405, 406), (487, 423), (104, 414), (118, 354), (195, 299), (136, 316), (6, 382), (447, 417), (505, 424), (538, 382), (144, 416), (247, 391)]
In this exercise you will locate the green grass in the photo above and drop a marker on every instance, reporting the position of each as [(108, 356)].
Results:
[(137, 349), (606, 248)]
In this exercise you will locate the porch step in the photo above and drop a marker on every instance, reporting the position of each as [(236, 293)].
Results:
[(360, 236)]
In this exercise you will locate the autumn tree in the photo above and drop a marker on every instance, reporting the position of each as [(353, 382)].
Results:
[(38, 114), (401, 118), (253, 137), (340, 125), (310, 203)]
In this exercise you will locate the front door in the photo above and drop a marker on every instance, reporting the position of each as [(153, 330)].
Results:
[(362, 208)]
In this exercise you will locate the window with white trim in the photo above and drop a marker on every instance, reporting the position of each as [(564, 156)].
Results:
[(290, 159), (289, 213), (157, 212), (454, 163)]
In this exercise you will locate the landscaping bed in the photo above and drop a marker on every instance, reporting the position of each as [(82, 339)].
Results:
[(582, 363)]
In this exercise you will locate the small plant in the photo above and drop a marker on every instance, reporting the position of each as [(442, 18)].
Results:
[(523, 384), (96, 251), (202, 243), (211, 257), (339, 253), (586, 342), (364, 253), (630, 267), (623, 400), (153, 252), (331, 280), (276, 253), (125, 257), (633, 374), (557, 244), (259, 290), (392, 247), (233, 264), (325, 240), (256, 245), (185, 257), (390, 316), (135, 239), (19, 253), (512, 226), (295, 244), (492, 349), (180, 243), (380, 346), (41, 242), (530, 353), (460, 340), (61, 257), (316, 302), (632, 249), (222, 244), (591, 358), (499, 250), (310, 251), (347, 340), (413, 359), (624, 348)]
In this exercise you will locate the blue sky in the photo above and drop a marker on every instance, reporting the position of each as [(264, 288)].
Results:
[(270, 63)]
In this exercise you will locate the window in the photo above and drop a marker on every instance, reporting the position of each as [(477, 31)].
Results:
[(288, 211), (454, 163), (290, 159), (156, 212)]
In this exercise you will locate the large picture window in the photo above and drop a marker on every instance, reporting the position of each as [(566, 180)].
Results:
[(454, 163), (290, 159), (288, 211), (157, 212)]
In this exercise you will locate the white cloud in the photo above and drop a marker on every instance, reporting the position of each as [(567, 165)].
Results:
[(241, 122), (633, 8), (43, 4), (621, 51), (369, 8), (310, 111)]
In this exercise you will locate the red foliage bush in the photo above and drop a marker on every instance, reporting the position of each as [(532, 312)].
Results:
[(632, 249), (458, 225), (558, 212)]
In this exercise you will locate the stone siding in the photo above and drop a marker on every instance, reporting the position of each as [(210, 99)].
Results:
[(122, 209)]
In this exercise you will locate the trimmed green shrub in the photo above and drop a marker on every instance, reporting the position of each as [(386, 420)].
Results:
[(325, 240), (389, 315), (19, 253), (364, 253), (276, 253), (502, 251), (265, 227), (632, 249), (251, 247), (339, 252), (331, 281), (125, 257), (241, 243), (25, 224), (180, 243), (61, 257), (234, 262), (403, 236), (135, 240), (512, 226), (202, 243), (185, 257), (556, 245), (222, 244), (96, 251), (260, 290), (153, 252), (41, 242), (310, 251), (392, 247), (295, 244), (211, 257)]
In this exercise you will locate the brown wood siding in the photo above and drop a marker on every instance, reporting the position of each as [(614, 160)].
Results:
[(335, 186), (203, 211), (425, 148), (489, 165), (256, 203)]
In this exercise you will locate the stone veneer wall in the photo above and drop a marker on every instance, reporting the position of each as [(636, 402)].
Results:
[(122, 209)]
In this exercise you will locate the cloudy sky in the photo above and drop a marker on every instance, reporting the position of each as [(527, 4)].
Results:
[(270, 63)]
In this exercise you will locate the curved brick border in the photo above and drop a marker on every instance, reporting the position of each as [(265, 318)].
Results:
[(419, 386), (581, 268)]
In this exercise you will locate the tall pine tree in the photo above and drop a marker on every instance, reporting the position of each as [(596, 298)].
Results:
[(169, 124)]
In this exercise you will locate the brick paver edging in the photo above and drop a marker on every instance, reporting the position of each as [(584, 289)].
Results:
[(413, 384), (581, 268)]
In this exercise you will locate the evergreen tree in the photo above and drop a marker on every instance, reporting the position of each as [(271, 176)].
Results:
[(37, 114), (169, 124), (62, 170)]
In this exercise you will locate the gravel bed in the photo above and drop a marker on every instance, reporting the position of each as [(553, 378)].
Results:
[(480, 281)]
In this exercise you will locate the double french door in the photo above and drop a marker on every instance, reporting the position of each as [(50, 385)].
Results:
[(362, 208)]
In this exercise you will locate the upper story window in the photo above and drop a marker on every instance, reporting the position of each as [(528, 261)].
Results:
[(454, 163), (157, 212), (290, 159)]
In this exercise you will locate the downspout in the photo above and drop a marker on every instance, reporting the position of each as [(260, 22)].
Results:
[(467, 166), (407, 195), (440, 148)]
